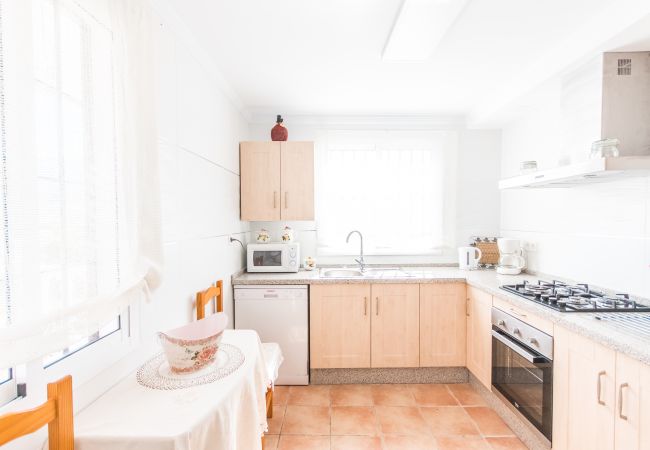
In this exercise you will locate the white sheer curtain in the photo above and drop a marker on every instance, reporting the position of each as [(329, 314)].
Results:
[(391, 185), (81, 210)]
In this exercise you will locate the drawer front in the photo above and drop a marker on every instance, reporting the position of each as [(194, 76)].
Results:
[(541, 324)]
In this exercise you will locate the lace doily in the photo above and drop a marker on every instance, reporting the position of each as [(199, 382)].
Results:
[(156, 374)]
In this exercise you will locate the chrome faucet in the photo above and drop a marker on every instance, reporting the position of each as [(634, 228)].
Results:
[(360, 261)]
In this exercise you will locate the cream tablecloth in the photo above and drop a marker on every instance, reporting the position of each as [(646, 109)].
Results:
[(228, 414)]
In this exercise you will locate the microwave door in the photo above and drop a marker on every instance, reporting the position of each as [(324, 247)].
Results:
[(267, 258)]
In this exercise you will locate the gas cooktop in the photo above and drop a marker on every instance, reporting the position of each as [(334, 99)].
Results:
[(573, 297)]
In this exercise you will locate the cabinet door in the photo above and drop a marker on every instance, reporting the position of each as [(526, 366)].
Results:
[(479, 335), (583, 393), (395, 327), (297, 181), (339, 326), (443, 325), (633, 404), (260, 180)]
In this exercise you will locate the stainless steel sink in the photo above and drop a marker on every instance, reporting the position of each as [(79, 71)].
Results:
[(381, 269), (374, 272), (341, 273)]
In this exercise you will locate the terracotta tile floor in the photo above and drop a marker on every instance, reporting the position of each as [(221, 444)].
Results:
[(385, 417)]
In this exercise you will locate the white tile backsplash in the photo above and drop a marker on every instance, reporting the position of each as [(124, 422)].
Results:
[(596, 233)]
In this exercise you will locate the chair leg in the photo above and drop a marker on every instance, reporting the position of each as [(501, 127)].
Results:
[(269, 403)]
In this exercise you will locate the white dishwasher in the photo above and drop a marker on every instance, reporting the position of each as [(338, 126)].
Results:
[(278, 314)]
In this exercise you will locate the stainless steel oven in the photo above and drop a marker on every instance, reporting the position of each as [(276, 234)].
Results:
[(522, 370)]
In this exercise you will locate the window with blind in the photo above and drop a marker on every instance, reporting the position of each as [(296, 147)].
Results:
[(77, 194), (62, 201), (393, 186)]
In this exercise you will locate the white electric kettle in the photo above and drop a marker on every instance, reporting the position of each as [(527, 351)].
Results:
[(468, 257)]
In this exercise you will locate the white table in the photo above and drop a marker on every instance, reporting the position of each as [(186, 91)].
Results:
[(228, 414)]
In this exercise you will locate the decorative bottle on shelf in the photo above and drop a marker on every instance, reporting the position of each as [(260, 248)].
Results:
[(279, 132)]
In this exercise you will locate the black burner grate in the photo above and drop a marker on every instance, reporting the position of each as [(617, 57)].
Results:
[(573, 298)]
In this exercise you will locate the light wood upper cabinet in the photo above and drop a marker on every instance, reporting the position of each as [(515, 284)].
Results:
[(479, 335), (584, 393), (260, 180), (277, 181), (395, 325), (443, 325), (297, 177), (632, 411), (339, 326)]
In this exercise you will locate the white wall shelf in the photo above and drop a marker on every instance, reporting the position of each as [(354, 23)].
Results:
[(597, 170)]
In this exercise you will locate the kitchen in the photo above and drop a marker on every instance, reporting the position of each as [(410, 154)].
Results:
[(350, 247)]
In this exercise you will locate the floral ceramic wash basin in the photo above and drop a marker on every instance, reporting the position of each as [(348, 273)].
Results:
[(193, 346)]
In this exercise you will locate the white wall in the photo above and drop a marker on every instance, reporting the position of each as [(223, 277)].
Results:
[(477, 199), (199, 132), (598, 234)]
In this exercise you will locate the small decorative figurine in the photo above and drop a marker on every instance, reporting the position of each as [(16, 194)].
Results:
[(287, 234), (263, 236), (279, 132), (309, 263)]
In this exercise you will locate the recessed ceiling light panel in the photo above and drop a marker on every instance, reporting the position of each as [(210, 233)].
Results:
[(419, 27)]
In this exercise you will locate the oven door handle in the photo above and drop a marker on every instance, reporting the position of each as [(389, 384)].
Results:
[(528, 356)]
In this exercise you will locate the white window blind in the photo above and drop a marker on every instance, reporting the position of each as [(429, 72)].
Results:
[(78, 197), (393, 186), (7, 381), (81, 208)]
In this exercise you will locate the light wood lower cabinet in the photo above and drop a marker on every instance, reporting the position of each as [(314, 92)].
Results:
[(339, 326), (443, 325), (479, 335), (395, 326), (632, 411), (584, 393), (351, 322)]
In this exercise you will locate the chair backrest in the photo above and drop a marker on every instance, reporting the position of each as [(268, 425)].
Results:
[(204, 297), (56, 413)]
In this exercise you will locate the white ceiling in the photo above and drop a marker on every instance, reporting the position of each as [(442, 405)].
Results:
[(324, 57)]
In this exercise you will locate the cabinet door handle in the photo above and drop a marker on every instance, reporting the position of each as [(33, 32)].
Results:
[(286, 199), (620, 400), (365, 306), (467, 307), (275, 199), (599, 386), (377, 306)]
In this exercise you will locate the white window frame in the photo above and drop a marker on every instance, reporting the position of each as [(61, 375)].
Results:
[(9, 388), (84, 365)]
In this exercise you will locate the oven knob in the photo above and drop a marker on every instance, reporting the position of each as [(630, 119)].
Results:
[(516, 331), (501, 323), (533, 341), (292, 263)]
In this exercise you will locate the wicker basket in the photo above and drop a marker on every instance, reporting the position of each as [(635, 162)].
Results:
[(489, 250)]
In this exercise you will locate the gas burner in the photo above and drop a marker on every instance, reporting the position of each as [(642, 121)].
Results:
[(565, 297), (536, 288), (573, 300)]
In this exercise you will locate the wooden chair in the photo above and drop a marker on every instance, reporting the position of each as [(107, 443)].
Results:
[(204, 297), (216, 293), (56, 412)]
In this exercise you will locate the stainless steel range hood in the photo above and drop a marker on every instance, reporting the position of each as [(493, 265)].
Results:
[(625, 116)]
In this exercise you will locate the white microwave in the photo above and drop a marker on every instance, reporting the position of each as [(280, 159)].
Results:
[(273, 257)]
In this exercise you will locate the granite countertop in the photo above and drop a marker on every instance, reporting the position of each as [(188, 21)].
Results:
[(489, 281)]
